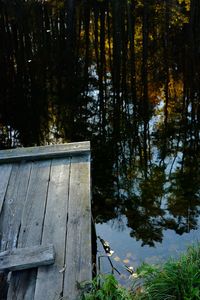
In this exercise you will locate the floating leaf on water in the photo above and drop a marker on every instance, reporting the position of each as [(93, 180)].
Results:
[(117, 258), (129, 255)]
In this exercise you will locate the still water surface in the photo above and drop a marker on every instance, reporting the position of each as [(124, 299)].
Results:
[(124, 74)]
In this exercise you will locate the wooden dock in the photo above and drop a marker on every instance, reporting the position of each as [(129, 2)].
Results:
[(45, 199)]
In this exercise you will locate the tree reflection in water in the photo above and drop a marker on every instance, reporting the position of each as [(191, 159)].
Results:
[(124, 74)]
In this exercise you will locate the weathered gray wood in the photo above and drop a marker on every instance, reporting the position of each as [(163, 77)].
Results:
[(36, 211), (26, 258), (10, 219), (49, 284), (44, 152), (78, 244), (5, 171), (21, 287)]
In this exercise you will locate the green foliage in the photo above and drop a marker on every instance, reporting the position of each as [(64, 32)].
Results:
[(175, 280), (178, 280), (146, 270), (105, 287)]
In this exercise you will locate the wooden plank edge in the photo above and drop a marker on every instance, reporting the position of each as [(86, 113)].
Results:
[(15, 155), (26, 258)]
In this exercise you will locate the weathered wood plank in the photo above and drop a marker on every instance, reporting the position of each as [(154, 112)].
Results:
[(21, 287), (78, 244), (49, 284), (26, 258), (10, 219), (5, 171), (48, 217), (44, 152)]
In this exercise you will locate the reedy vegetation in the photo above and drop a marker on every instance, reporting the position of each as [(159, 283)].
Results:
[(174, 280)]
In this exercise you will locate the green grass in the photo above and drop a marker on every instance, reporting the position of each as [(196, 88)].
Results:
[(175, 280), (106, 287)]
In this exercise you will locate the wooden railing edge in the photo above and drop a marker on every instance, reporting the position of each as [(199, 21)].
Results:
[(44, 152)]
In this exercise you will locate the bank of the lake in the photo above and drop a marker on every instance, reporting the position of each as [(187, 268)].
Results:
[(174, 280)]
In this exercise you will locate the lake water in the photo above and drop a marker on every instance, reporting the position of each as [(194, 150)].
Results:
[(124, 74)]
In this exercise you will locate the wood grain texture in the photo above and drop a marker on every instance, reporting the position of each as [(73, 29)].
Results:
[(5, 171), (44, 152), (78, 243), (21, 287), (26, 258), (47, 201), (10, 219), (49, 284)]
